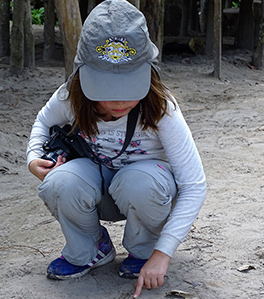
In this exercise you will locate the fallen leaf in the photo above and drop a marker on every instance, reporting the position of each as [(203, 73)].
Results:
[(181, 294), (246, 268)]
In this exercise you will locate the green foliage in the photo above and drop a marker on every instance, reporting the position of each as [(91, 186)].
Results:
[(38, 16), (11, 5), (236, 3)]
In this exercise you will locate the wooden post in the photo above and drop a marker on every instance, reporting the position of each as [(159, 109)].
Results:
[(17, 38), (160, 38), (154, 13), (29, 42), (185, 4), (22, 39), (258, 55), (246, 24), (70, 23), (4, 28), (49, 32), (209, 46), (217, 38)]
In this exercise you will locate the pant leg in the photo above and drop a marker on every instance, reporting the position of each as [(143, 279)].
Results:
[(72, 192), (143, 191)]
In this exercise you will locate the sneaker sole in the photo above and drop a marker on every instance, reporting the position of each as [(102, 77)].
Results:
[(128, 275), (107, 259)]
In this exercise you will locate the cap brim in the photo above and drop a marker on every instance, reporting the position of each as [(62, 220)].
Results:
[(108, 86)]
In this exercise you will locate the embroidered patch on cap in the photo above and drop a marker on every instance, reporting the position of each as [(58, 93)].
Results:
[(115, 50)]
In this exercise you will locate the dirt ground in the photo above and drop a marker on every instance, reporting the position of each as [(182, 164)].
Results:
[(226, 117)]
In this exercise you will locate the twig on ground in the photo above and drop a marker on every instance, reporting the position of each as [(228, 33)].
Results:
[(22, 246)]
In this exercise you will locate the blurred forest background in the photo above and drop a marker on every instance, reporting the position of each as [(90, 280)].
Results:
[(174, 25)]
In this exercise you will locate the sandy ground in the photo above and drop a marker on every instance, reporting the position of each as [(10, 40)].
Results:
[(227, 120)]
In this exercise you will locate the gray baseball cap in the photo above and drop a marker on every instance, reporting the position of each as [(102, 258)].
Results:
[(115, 53)]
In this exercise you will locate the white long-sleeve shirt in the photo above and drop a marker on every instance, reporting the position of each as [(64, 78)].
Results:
[(172, 142)]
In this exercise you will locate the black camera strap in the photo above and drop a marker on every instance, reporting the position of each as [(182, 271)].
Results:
[(130, 128)]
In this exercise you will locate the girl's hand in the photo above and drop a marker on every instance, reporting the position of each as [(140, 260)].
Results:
[(40, 167), (152, 273)]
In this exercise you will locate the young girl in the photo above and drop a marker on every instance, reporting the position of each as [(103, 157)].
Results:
[(157, 184)]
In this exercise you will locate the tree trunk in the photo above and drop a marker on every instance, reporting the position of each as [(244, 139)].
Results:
[(258, 56), (4, 28), (17, 37), (70, 23), (217, 38), (257, 10), (154, 13), (245, 34), (22, 39), (49, 32), (29, 44)]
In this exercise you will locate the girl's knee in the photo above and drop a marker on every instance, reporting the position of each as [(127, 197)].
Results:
[(57, 183), (129, 182), (66, 191), (140, 189), (140, 196)]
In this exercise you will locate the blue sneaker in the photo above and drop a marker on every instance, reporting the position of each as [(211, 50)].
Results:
[(131, 267), (61, 269)]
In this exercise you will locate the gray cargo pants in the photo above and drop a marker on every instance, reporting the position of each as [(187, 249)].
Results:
[(140, 192)]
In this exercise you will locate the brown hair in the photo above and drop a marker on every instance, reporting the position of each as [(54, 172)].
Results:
[(153, 106)]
